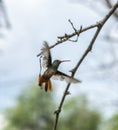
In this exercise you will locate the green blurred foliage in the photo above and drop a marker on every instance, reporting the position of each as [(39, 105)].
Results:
[(34, 111), (112, 123), (79, 116)]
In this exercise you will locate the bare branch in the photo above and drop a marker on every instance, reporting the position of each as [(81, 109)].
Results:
[(66, 37), (109, 4), (99, 27)]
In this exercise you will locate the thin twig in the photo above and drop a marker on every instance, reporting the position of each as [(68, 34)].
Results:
[(77, 32), (72, 25), (99, 27), (68, 36)]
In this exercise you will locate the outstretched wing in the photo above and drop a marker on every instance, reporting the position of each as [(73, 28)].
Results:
[(45, 52), (67, 78)]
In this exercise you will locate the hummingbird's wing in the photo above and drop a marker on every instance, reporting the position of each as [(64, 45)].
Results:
[(67, 78), (45, 52)]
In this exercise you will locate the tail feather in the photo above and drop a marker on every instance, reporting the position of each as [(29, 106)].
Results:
[(48, 86)]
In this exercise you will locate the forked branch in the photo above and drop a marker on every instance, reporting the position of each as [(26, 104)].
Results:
[(99, 26)]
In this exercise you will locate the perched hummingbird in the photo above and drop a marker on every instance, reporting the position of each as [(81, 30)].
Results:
[(52, 69)]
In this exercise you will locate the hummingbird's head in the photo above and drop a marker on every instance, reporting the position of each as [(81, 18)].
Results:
[(56, 63)]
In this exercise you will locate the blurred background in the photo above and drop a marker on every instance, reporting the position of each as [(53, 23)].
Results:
[(24, 25)]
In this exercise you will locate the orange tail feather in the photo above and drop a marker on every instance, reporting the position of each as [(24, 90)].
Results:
[(48, 86)]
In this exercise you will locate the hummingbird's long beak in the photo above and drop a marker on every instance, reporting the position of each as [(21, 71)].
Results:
[(65, 61)]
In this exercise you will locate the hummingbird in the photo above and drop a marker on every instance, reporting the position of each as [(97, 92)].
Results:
[(52, 69)]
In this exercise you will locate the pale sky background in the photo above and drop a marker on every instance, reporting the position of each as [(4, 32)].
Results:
[(35, 21)]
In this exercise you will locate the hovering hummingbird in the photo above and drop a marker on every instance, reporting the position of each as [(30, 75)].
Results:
[(52, 69)]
